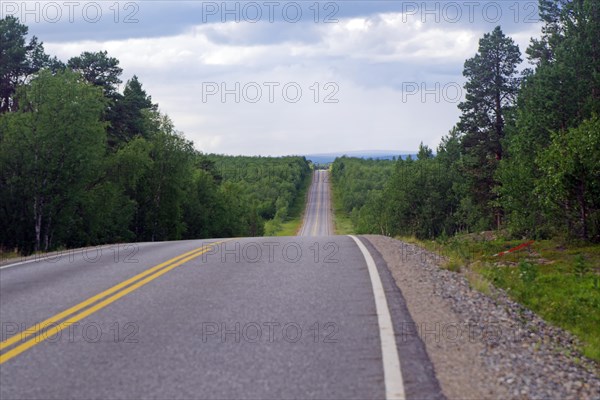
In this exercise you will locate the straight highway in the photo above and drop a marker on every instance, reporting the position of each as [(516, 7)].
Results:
[(317, 217)]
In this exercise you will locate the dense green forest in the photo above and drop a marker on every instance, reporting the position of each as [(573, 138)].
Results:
[(273, 183), (357, 180), (524, 156), (82, 163)]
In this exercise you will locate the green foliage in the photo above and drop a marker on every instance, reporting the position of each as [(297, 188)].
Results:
[(545, 280), (491, 89), (356, 177), (556, 107), (424, 152), (581, 267), (570, 179), (523, 156), (357, 186), (405, 197), (50, 155), (274, 187), (65, 182), (160, 193), (342, 221), (18, 60), (556, 291), (527, 272), (128, 115), (98, 69)]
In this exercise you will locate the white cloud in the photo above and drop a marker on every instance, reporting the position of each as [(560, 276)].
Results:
[(367, 58)]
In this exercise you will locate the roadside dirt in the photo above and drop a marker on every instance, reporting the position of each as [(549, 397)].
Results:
[(485, 347)]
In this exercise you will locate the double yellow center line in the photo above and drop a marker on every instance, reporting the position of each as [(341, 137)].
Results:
[(53, 325)]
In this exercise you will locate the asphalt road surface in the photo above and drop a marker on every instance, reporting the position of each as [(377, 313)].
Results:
[(314, 316), (317, 216)]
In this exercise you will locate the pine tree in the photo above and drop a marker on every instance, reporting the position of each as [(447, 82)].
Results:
[(560, 93), (18, 60), (491, 88), (126, 117)]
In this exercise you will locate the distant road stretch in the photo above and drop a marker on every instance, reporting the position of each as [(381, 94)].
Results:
[(317, 217)]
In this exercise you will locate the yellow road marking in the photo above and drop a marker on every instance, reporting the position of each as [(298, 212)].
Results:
[(173, 263), (52, 320)]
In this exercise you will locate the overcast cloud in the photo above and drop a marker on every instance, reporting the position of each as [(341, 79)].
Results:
[(358, 73)]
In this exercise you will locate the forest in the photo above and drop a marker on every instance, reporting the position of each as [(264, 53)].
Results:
[(523, 157), (83, 163)]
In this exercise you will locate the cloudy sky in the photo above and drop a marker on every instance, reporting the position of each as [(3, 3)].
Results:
[(275, 78)]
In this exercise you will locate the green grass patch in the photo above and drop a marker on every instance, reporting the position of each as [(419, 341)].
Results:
[(342, 223), (289, 228), (556, 279)]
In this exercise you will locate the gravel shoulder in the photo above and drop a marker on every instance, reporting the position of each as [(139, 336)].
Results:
[(485, 347)]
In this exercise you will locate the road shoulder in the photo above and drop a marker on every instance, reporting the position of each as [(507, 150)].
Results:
[(418, 373), (482, 347)]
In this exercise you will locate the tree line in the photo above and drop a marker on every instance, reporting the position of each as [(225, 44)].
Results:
[(524, 155), (82, 163), (274, 183)]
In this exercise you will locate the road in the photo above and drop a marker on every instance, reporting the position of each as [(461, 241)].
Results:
[(317, 217), (313, 316)]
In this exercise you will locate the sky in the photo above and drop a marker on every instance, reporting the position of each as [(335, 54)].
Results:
[(284, 77)]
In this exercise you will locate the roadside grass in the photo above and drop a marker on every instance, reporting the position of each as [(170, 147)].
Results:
[(559, 280), (290, 227), (293, 222), (342, 224), (6, 255)]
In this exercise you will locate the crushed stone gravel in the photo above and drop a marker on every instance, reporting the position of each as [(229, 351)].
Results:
[(485, 346)]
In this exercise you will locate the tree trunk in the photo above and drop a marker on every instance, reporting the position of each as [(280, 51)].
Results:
[(47, 234), (38, 215), (499, 127)]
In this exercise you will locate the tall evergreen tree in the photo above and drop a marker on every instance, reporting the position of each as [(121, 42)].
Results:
[(99, 69), (424, 152), (126, 117), (491, 89), (19, 60), (559, 94)]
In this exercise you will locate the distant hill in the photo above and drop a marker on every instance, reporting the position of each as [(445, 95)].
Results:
[(326, 158)]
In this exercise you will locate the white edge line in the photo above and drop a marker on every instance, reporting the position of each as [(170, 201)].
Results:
[(61, 253), (58, 255), (394, 386), (23, 262)]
